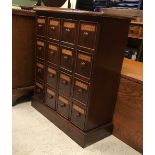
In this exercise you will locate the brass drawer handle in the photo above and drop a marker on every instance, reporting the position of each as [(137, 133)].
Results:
[(52, 52), (65, 57), (38, 90), (83, 64), (68, 30), (39, 48), (52, 27), (64, 82), (80, 90), (85, 33), (50, 96), (51, 75), (78, 114), (40, 25), (62, 105), (39, 70)]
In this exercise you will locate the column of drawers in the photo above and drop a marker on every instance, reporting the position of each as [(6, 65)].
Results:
[(64, 60)]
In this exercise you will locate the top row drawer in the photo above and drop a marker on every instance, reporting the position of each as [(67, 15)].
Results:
[(69, 31)]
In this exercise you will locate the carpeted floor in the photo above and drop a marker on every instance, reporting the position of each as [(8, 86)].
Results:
[(33, 134)]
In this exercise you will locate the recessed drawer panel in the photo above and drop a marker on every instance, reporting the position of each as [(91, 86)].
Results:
[(40, 26), (54, 28), (134, 30), (78, 116), (39, 71), (83, 64), (50, 98), (52, 77), (63, 106), (67, 58), (53, 53), (39, 90), (65, 84), (87, 35), (40, 49), (81, 91), (69, 31)]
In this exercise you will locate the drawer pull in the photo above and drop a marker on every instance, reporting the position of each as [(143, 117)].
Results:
[(68, 30), (85, 33), (50, 96), (80, 90), (39, 25), (78, 114), (83, 64), (51, 75), (39, 70), (52, 52), (65, 57), (52, 27), (39, 48), (62, 105), (65, 82)]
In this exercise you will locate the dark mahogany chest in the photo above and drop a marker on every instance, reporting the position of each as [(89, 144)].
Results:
[(79, 56)]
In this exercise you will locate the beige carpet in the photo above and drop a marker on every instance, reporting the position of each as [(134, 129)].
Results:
[(33, 134)]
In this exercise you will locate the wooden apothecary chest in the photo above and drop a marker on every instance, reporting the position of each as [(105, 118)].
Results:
[(79, 57)]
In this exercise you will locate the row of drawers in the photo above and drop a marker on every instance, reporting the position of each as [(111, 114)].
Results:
[(82, 33), (67, 85), (67, 58), (71, 110)]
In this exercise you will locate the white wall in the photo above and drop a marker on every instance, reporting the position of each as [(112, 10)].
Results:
[(73, 3)]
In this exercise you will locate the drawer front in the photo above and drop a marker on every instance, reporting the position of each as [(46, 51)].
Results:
[(52, 77), (69, 31), (54, 28), (53, 53), (81, 91), (63, 106), (87, 35), (50, 98), (78, 116), (39, 71), (39, 90), (65, 84), (83, 65), (41, 26), (134, 30), (40, 49), (67, 59)]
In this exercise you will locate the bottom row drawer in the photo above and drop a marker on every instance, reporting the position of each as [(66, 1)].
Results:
[(39, 90)]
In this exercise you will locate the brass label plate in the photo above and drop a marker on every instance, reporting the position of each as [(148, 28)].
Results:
[(39, 85), (52, 47), (86, 27), (81, 85), (65, 77), (62, 99), (77, 108), (54, 22), (50, 92), (40, 65), (67, 52), (84, 57), (50, 70), (69, 25), (41, 20), (40, 43)]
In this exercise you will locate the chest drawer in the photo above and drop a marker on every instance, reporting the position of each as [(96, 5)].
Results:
[(50, 98), (53, 53), (78, 116), (53, 28), (63, 107), (39, 71), (69, 28), (65, 84), (39, 91), (41, 25), (81, 91), (66, 58), (83, 64), (52, 77), (87, 35), (40, 48)]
